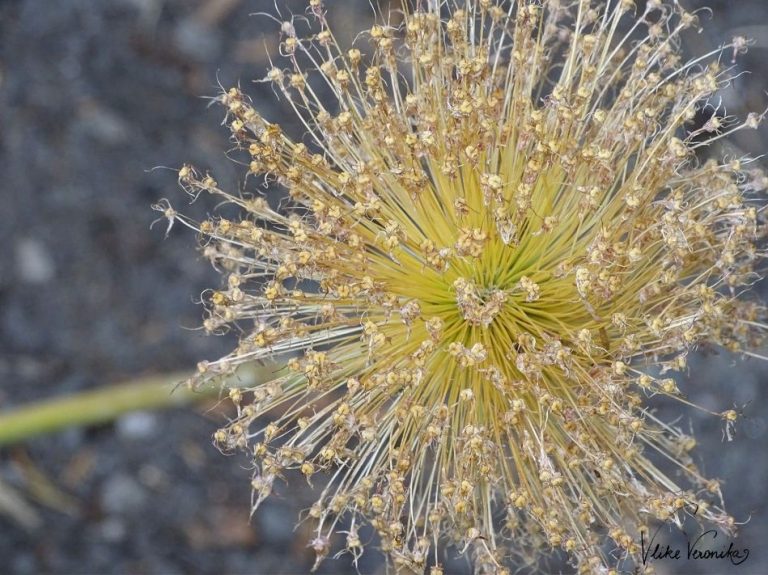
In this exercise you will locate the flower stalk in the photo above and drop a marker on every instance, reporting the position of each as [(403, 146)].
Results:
[(108, 403)]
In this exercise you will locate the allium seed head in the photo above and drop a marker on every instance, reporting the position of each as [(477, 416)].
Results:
[(499, 241)]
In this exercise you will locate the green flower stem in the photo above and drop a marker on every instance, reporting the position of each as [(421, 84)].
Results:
[(108, 403)]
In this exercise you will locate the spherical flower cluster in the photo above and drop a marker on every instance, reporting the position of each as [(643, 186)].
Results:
[(498, 241)]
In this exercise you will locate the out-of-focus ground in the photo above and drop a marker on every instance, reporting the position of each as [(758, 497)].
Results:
[(94, 98)]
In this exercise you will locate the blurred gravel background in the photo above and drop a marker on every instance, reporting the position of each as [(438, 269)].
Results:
[(93, 96)]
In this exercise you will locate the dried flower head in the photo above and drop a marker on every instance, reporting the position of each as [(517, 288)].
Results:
[(499, 241)]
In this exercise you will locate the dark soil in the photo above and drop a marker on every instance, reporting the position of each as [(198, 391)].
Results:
[(95, 98)]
